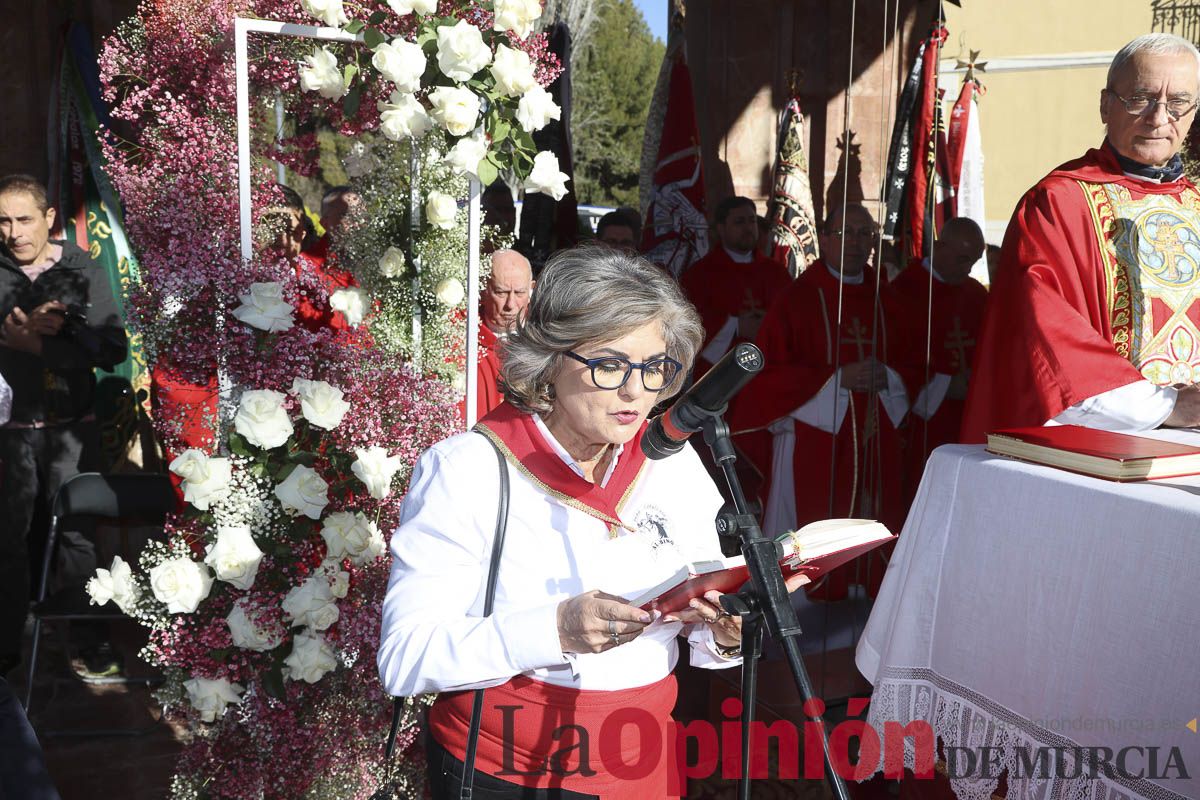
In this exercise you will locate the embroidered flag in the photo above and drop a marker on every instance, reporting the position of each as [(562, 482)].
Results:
[(675, 233), (793, 222), (964, 148)]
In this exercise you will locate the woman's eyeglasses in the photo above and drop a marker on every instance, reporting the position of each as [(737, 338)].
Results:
[(611, 372)]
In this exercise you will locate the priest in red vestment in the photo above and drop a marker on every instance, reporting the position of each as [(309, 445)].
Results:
[(829, 396), (505, 300), (940, 308), (1093, 318), (733, 285)]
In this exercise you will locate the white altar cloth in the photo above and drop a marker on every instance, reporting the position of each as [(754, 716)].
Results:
[(1026, 606)]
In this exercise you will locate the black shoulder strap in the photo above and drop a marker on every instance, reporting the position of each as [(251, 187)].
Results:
[(489, 600)]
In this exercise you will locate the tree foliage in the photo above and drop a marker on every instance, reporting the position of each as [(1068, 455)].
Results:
[(613, 75)]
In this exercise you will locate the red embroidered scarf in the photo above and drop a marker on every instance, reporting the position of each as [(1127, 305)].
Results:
[(518, 437)]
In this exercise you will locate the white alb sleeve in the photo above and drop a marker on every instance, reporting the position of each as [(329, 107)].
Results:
[(1139, 406), (434, 637)]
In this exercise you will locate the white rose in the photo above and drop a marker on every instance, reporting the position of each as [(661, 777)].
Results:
[(513, 71), (450, 292), (403, 7), (352, 302), (303, 492), (263, 307), (180, 583), (467, 152), (545, 176), (321, 404), (312, 603), (461, 51), (391, 263), (459, 381), (116, 584), (375, 468), (536, 109), (210, 697), (310, 658), (455, 108), (339, 583), (234, 556), (517, 16), (248, 634), (440, 209), (320, 74), (402, 62), (351, 536), (328, 11), (205, 480), (262, 419), (403, 117)]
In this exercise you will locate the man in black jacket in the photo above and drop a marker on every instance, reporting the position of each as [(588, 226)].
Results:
[(58, 321)]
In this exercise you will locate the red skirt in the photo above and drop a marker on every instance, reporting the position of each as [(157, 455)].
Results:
[(615, 744)]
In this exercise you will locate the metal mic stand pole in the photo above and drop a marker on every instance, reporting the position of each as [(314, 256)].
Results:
[(764, 601)]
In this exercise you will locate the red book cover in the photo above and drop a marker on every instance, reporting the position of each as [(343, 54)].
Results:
[(680, 592), (1097, 443)]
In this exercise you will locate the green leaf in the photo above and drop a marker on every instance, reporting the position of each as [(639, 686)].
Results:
[(500, 131), (303, 457), (373, 37), (219, 654), (377, 18), (355, 26), (239, 446), (272, 681), (352, 100), (284, 472), (488, 172)]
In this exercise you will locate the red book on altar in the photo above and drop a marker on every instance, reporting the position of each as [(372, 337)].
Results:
[(814, 550), (1102, 454)]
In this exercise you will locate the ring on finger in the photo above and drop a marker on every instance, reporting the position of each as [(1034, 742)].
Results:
[(616, 637), (612, 627)]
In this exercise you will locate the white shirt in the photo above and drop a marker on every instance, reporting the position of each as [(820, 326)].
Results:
[(434, 637)]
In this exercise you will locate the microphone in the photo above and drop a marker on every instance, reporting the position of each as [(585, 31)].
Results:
[(707, 398)]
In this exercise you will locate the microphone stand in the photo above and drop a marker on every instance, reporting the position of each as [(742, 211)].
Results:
[(764, 601)]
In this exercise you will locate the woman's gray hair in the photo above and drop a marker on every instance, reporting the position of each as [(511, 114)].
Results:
[(588, 296), (1154, 44)]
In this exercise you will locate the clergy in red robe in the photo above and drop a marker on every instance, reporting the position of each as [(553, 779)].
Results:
[(733, 285), (1093, 318), (939, 307), (829, 397), (505, 300)]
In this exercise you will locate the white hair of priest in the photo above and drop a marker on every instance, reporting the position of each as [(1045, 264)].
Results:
[(1152, 44)]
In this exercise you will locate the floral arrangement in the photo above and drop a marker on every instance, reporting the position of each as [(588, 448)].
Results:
[(264, 601)]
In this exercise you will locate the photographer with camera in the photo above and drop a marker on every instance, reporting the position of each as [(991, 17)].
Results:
[(58, 321)]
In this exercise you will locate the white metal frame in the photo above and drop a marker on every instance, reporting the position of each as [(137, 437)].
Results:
[(242, 28)]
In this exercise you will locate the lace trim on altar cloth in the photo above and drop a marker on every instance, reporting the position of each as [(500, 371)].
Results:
[(965, 719)]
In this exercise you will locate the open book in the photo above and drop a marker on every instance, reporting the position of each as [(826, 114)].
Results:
[(1103, 454), (814, 550)]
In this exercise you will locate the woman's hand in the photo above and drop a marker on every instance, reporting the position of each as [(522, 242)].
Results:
[(726, 628), (596, 621)]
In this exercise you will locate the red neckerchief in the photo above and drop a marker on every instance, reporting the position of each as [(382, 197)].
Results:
[(518, 437)]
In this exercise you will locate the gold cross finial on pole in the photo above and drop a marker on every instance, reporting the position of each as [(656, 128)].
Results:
[(971, 64)]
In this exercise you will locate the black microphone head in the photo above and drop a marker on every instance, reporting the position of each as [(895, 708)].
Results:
[(656, 444)]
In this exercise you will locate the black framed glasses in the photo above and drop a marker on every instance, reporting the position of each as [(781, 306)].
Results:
[(611, 372), (1140, 104)]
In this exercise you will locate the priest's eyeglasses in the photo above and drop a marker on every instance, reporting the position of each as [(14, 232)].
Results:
[(611, 372), (1139, 104)]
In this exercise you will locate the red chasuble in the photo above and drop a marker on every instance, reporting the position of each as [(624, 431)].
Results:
[(798, 339), (946, 327), (720, 288), (1094, 291), (488, 392)]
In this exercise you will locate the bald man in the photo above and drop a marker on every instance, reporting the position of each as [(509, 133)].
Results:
[(941, 309), (505, 300)]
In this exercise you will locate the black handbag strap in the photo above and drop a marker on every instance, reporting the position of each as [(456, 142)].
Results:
[(489, 600)]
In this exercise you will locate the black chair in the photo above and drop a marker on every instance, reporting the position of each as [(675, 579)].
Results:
[(142, 498)]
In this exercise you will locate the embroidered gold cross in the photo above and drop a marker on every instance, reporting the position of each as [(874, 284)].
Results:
[(857, 333), (958, 341)]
